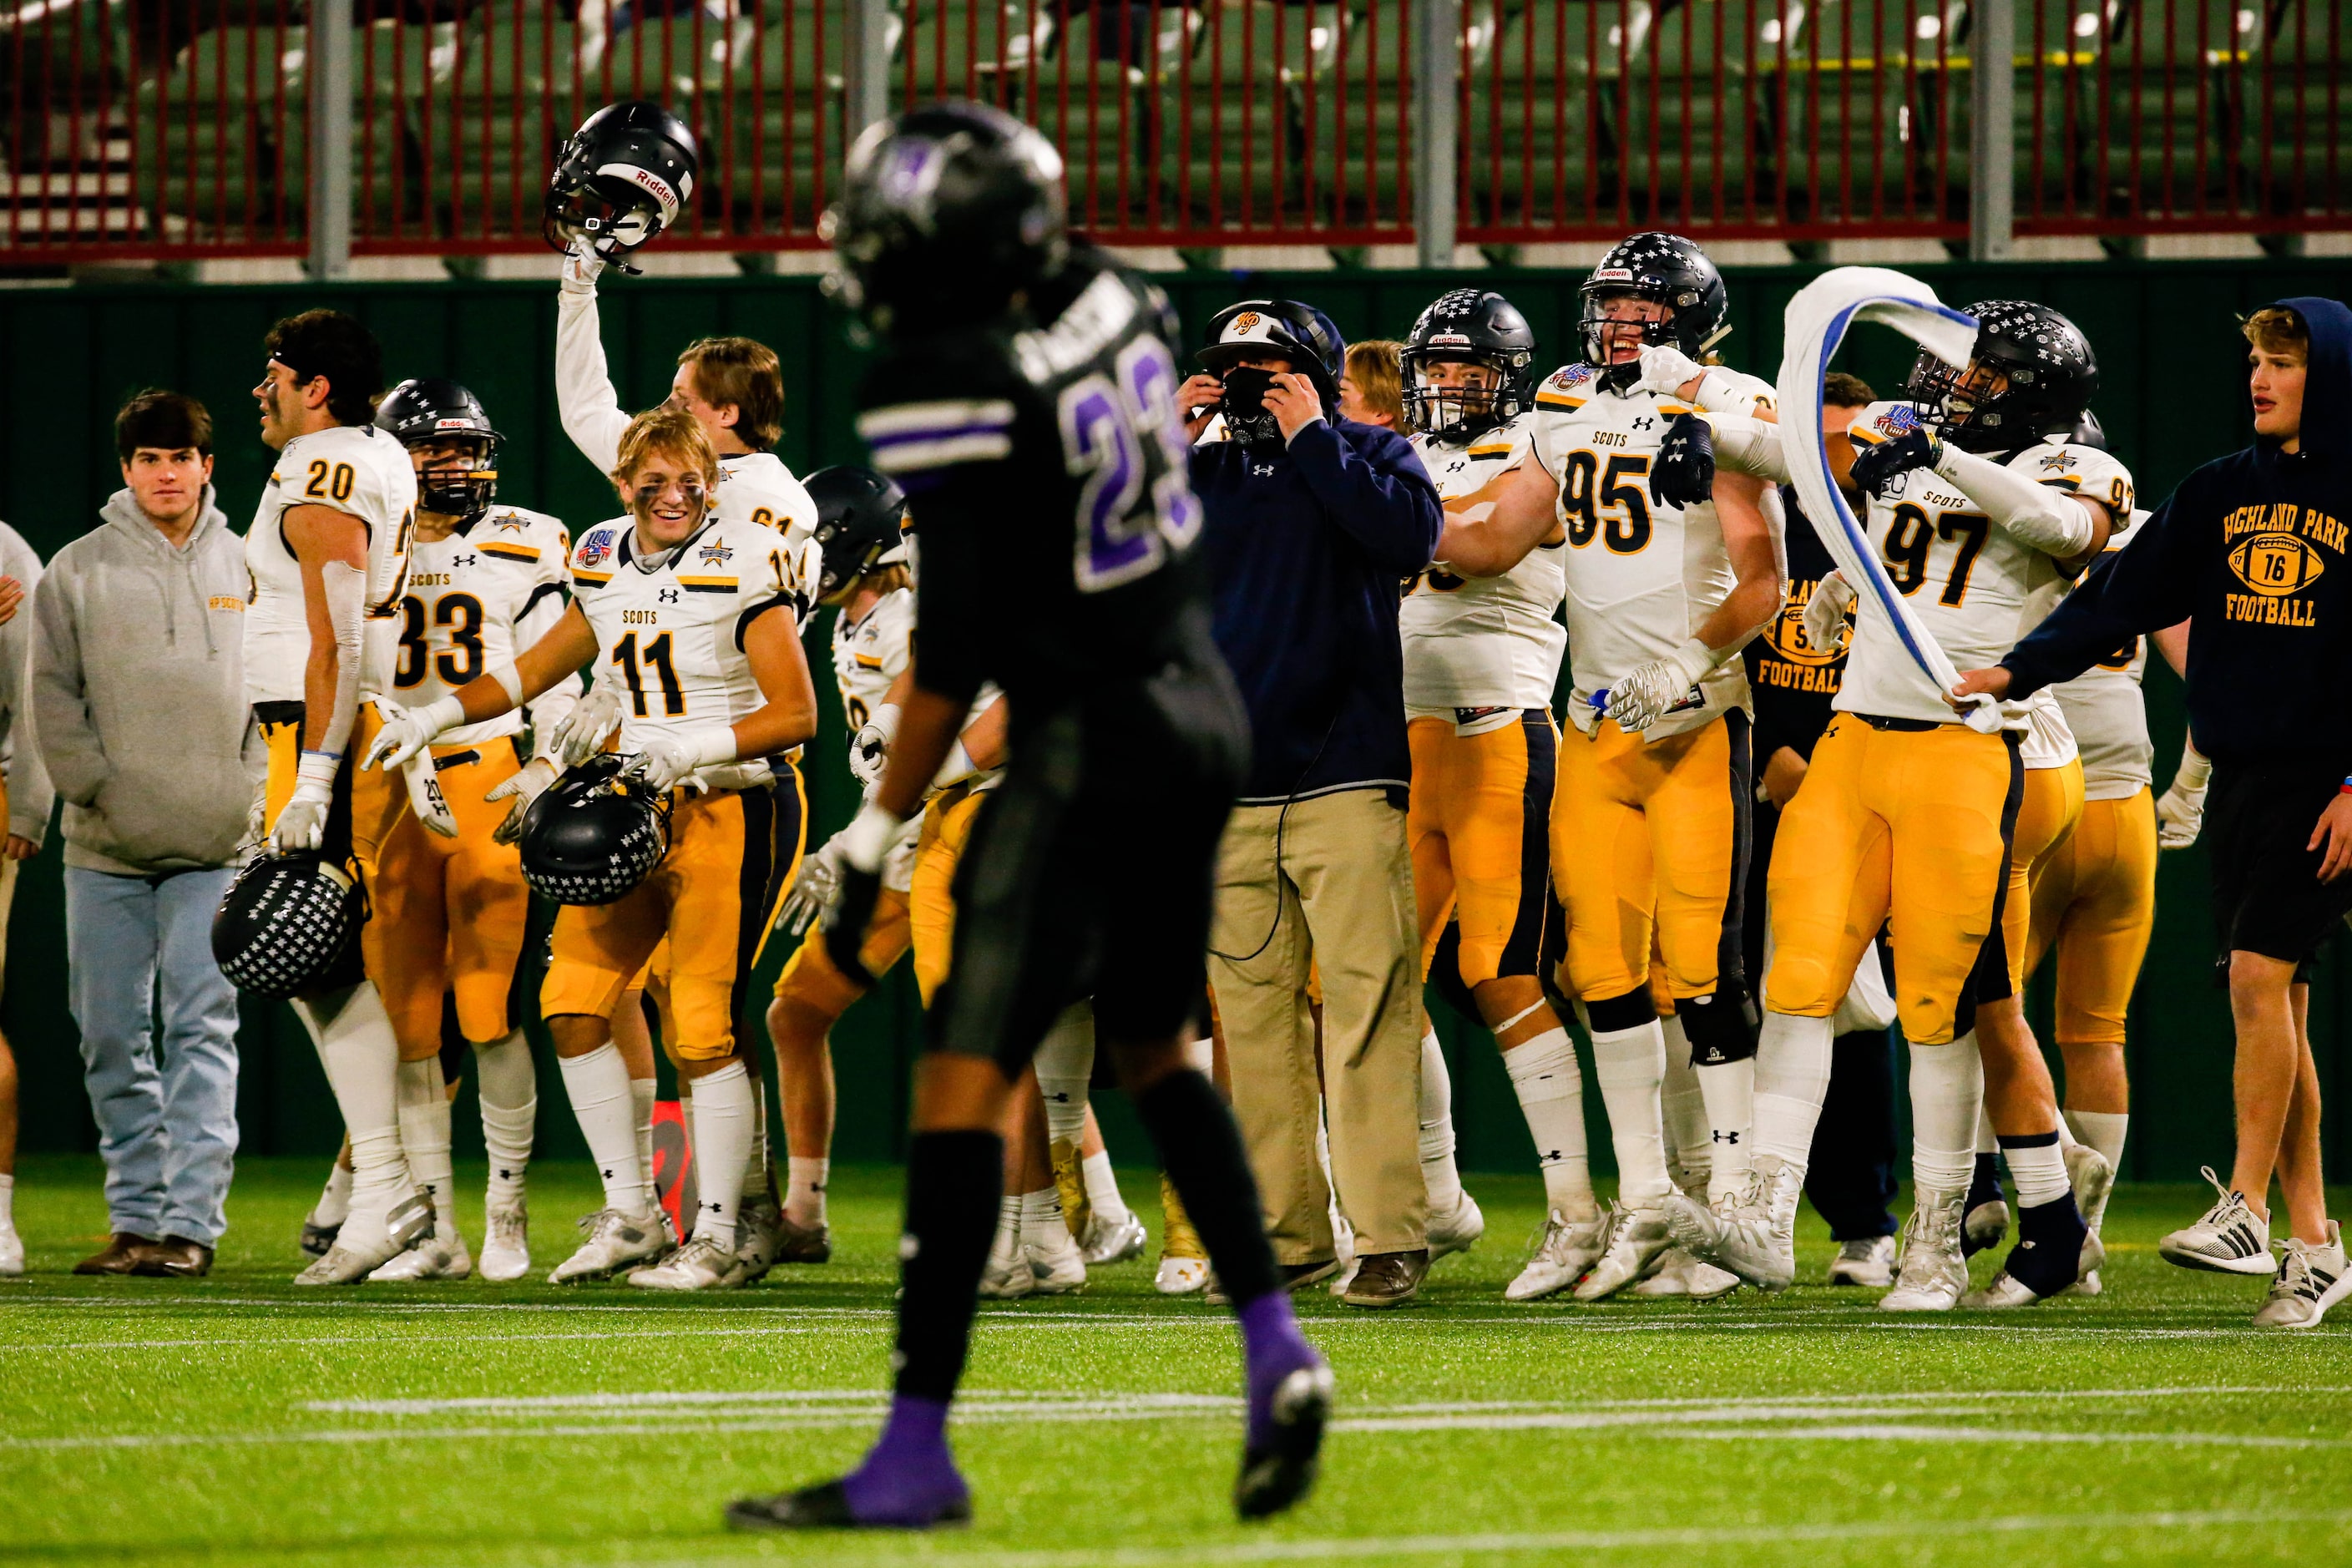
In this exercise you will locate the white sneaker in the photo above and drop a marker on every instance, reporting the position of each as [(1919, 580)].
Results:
[(1110, 1241), (1986, 1224), (506, 1249), (1566, 1253), (1456, 1228), (1868, 1262), (2088, 1285), (615, 1241), (1008, 1278), (2230, 1239), (1749, 1230), (438, 1257), (1636, 1238), (1055, 1261), (758, 1231), (11, 1252), (1935, 1273), (704, 1263), (1180, 1276), (366, 1242), (2310, 1279), (2094, 1180), (1678, 1274)]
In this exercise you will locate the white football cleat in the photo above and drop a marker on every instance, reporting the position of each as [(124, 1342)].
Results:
[(1008, 1278), (615, 1241), (1112, 1241), (702, 1264), (1180, 1276), (1455, 1229), (1056, 1262), (11, 1252), (366, 1242), (438, 1257), (1566, 1253), (1935, 1274), (1636, 1238), (2310, 1279), (1678, 1274), (1749, 1230), (2001, 1293), (506, 1249), (2230, 1239), (759, 1232), (1868, 1262), (1986, 1224), (2088, 1285)]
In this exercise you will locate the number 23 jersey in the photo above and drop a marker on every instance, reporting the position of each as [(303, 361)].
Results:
[(673, 636), (353, 469), (474, 599)]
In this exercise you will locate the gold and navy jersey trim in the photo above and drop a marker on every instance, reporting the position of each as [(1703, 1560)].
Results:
[(587, 579), (1554, 400), (868, 660), (1487, 454), (512, 551), (709, 585)]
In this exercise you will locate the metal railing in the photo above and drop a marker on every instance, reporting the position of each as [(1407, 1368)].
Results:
[(184, 128)]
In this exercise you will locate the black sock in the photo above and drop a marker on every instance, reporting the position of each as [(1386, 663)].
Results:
[(953, 1180), (2049, 1249), (1200, 1149)]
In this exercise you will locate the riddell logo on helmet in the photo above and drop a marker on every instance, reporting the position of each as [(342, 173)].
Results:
[(1612, 275), (653, 184), (453, 425)]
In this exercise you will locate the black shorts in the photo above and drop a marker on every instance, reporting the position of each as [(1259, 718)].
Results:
[(2267, 895), (1091, 871)]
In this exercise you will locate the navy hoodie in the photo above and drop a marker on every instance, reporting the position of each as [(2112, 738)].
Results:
[(1309, 548), (2257, 546)]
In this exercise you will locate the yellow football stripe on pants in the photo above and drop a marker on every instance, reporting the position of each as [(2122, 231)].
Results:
[(2052, 806), (2094, 900), (1896, 823), (930, 902)]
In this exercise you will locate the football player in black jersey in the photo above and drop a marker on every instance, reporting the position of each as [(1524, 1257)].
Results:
[(1025, 400)]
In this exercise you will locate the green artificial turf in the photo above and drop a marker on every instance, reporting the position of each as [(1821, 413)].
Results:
[(241, 1421)]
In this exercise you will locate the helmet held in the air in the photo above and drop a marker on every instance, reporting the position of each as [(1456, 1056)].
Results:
[(625, 176)]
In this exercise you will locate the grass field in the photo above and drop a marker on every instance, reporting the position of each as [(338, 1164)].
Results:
[(238, 1421)]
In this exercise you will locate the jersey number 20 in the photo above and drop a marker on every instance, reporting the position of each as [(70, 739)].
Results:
[(1123, 441)]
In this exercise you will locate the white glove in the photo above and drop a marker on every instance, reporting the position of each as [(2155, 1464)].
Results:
[(2180, 812), (871, 746), (523, 786), (669, 761), (1641, 698), (408, 731), (582, 733), (1667, 370), (424, 796), (302, 825), (1826, 611), (813, 890), (581, 268)]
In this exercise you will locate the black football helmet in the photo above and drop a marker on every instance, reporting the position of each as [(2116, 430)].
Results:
[(861, 520), (429, 408), (1265, 329), (623, 178), (946, 211), (1468, 326), (1667, 269), (289, 925), (594, 834), (2042, 363)]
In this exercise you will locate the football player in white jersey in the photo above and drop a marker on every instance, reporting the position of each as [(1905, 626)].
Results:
[(1649, 821), (1907, 812), (680, 607), (1481, 657), (328, 554)]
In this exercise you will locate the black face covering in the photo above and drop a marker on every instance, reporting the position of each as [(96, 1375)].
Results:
[(1247, 418)]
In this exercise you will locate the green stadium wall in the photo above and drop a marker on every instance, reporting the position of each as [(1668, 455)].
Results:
[(2173, 397)]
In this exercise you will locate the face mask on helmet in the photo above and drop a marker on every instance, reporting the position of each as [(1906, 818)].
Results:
[(1613, 341), (595, 834), (625, 176), (1457, 412), (1971, 406), (460, 479)]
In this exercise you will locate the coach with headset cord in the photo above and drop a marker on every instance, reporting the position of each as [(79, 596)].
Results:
[(1313, 522)]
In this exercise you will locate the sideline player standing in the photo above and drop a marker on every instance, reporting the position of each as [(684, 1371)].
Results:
[(2253, 549), (1026, 401)]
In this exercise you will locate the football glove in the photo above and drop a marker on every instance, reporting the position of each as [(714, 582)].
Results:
[(1652, 690), (865, 845), (582, 733), (871, 747), (424, 796), (813, 890), (1876, 468), (406, 732), (1684, 473), (302, 824), (582, 267), (2180, 812), (522, 788), (669, 761), (1826, 611), (1667, 370)]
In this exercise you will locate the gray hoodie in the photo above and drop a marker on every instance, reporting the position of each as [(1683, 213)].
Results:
[(138, 693), (29, 796)]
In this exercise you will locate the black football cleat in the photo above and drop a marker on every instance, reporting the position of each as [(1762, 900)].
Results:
[(827, 1507), (1279, 1468)]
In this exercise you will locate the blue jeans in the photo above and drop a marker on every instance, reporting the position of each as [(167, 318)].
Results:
[(158, 1023)]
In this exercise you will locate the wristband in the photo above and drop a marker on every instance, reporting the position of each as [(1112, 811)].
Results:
[(315, 772), (711, 747)]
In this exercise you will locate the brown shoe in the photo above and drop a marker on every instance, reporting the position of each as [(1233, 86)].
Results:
[(803, 1244), (1387, 1278), (175, 1257), (121, 1255)]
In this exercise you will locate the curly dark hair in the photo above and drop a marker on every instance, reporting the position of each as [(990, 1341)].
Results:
[(333, 344)]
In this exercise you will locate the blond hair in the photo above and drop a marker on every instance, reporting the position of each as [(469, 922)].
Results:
[(670, 432), (1372, 366), (2275, 329), (746, 372)]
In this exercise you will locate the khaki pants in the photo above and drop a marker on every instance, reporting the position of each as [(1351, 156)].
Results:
[(1342, 899)]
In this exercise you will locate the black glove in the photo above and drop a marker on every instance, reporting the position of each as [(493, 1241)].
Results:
[(847, 919), (1684, 473), (1876, 468)]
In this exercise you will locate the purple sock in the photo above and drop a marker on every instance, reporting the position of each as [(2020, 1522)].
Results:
[(1271, 1348), (909, 1475)]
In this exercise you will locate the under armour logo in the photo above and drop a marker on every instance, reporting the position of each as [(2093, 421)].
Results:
[(1262, 471), (712, 1207), (464, 560), (1643, 422), (1721, 1136), (669, 596)]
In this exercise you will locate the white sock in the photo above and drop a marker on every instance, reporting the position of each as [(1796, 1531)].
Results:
[(643, 1092), (1437, 1168), (1004, 1248), (424, 1138), (335, 1201), (724, 1107), (1201, 1055), (2039, 1169), (1988, 1140), (1066, 1061), (1550, 1089), (1684, 1106), (805, 1190), (1041, 1217), (7, 1202), (1946, 1097), (1792, 1075), (755, 1157), (1631, 1066), (599, 1086), (2103, 1131), (508, 1086), (1729, 1091), (1102, 1188), (361, 1056)]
